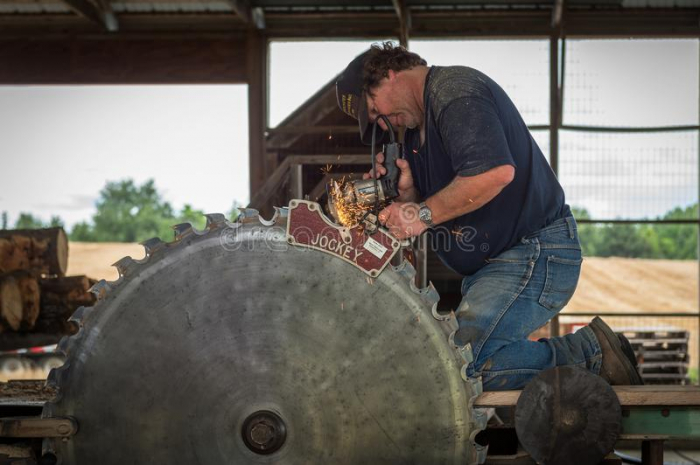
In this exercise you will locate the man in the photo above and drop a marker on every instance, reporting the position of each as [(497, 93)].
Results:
[(475, 179)]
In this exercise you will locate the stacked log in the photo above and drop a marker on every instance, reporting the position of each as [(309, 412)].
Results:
[(36, 297), (19, 301), (42, 251), (60, 297)]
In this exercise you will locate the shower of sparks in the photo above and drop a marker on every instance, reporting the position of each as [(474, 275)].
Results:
[(349, 213)]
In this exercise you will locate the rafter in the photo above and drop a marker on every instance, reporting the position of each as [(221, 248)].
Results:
[(99, 12), (250, 15), (557, 13), (404, 16)]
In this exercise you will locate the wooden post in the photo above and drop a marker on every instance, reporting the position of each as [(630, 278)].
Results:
[(653, 452), (554, 131), (296, 186), (257, 109), (421, 251)]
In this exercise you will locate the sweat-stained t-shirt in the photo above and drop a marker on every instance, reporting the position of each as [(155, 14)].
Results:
[(471, 126)]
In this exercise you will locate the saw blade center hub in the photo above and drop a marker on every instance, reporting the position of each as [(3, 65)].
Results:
[(264, 432)]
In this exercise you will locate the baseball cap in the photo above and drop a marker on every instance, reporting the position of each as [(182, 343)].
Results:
[(349, 89)]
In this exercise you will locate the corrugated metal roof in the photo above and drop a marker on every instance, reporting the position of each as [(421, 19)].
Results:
[(156, 6), (33, 7), (292, 6), (661, 3)]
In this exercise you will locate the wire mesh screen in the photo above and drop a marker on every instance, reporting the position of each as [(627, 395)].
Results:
[(631, 83), (629, 175), (635, 188), (520, 67), (542, 139)]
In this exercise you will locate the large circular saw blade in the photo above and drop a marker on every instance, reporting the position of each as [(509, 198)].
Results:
[(232, 347)]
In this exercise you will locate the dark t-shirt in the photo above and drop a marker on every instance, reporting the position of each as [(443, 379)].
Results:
[(471, 126)]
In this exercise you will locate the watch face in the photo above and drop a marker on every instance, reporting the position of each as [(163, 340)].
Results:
[(425, 214)]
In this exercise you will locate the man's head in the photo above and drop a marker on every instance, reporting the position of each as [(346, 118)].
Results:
[(370, 86)]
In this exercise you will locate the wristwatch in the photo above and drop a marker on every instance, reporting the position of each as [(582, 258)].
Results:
[(425, 215)]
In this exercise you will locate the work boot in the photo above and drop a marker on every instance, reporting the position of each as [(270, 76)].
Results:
[(619, 364)]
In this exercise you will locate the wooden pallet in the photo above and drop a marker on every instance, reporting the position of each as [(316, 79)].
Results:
[(663, 354)]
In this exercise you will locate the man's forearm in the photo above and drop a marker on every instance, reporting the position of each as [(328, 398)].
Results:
[(466, 194)]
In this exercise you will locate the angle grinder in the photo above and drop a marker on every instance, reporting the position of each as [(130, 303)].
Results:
[(359, 201)]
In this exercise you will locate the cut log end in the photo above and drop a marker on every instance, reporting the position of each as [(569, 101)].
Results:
[(31, 300), (40, 251), (10, 303), (61, 266), (20, 301)]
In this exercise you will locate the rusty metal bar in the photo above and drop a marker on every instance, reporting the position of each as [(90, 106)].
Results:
[(37, 427)]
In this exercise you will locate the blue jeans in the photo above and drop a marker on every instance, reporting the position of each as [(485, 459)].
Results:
[(517, 292)]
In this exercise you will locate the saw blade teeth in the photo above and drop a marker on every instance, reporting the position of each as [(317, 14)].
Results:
[(49, 410), (430, 294), (125, 266), (152, 245), (248, 215), (272, 220), (448, 326), (101, 289), (57, 376), (79, 316), (448, 321), (215, 220), (282, 212), (63, 344), (182, 230), (406, 270)]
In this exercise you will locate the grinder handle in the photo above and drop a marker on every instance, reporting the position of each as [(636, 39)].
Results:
[(392, 152)]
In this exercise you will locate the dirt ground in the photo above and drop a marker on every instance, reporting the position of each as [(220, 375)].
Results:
[(607, 284), (636, 285), (95, 259)]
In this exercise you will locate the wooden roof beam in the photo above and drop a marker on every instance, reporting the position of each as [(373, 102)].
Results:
[(99, 12), (557, 13), (250, 15), (404, 16)]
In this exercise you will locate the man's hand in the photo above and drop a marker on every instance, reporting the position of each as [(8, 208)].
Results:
[(407, 190), (402, 220)]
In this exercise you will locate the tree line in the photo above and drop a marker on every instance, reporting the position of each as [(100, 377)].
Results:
[(669, 241), (125, 212)]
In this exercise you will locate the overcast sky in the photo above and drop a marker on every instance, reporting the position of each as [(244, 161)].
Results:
[(60, 144)]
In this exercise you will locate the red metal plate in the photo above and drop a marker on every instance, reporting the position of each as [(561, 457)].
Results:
[(307, 226)]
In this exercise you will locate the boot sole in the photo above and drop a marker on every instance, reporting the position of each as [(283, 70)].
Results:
[(616, 346)]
